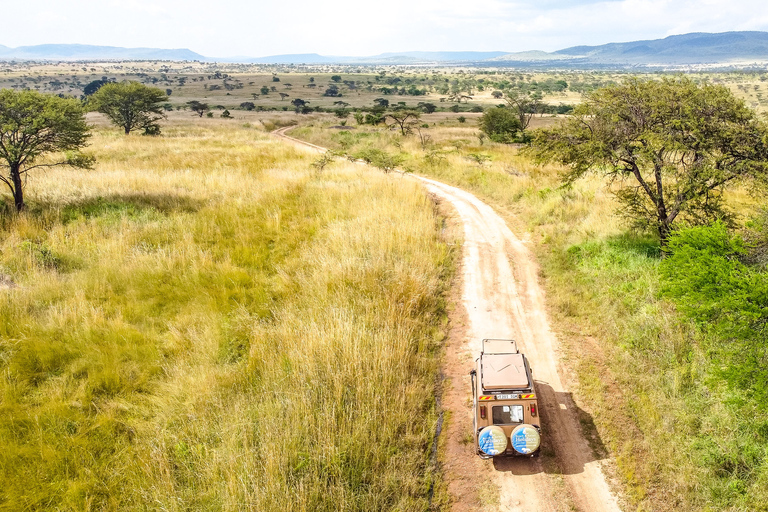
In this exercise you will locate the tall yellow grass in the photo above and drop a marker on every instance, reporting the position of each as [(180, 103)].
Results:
[(204, 323)]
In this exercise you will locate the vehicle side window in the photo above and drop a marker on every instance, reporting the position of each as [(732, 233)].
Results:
[(505, 414)]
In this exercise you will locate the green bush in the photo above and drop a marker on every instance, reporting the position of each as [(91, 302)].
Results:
[(500, 124)]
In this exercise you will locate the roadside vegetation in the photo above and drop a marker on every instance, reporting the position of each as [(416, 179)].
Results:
[(205, 322), (669, 352)]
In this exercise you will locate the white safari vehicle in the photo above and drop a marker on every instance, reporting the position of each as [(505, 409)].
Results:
[(506, 413)]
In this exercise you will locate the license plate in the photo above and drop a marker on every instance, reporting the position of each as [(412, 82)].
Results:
[(507, 397)]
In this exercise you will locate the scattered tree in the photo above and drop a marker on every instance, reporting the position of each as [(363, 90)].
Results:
[(130, 105), (524, 105), (264, 90), (405, 119), (427, 107), (670, 147), (94, 86), (226, 114), (497, 94), (32, 125), (198, 107), (333, 91), (283, 96), (336, 78), (247, 105)]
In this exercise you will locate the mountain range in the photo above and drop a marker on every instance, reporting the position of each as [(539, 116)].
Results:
[(88, 52), (695, 48)]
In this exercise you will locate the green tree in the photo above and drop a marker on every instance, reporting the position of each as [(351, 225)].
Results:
[(130, 105), (333, 91), (500, 124), (336, 78), (94, 86), (405, 119), (669, 147), (198, 107), (524, 105), (32, 125), (427, 107)]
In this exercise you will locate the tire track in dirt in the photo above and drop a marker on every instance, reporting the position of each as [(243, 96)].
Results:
[(503, 299)]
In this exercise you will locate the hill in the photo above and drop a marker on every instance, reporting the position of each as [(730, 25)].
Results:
[(682, 49), (696, 48), (88, 52)]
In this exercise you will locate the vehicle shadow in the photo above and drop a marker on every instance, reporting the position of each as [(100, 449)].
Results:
[(569, 438)]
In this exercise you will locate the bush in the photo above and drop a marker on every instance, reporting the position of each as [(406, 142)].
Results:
[(706, 278), (500, 124)]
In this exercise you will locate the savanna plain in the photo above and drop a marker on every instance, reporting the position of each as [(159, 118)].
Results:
[(212, 319)]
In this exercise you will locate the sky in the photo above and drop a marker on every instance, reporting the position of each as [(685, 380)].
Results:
[(255, 28)]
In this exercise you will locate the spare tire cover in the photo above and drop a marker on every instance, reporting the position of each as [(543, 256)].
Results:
[(492, 440), (525, 439)]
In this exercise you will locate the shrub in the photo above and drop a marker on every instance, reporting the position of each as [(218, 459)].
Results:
[(500, 124)]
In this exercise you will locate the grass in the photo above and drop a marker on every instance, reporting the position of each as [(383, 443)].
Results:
[(204, 323), (680, 440)]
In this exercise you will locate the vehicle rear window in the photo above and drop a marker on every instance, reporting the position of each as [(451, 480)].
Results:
[(503, 414)]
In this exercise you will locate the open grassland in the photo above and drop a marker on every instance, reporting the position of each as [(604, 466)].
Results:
[(203, 322), (228, 86), (682, 440)]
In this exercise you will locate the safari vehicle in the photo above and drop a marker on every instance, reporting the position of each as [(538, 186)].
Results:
[(506, 413)]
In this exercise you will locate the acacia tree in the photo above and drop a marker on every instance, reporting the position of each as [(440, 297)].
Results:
[(524, 105), (669, 147), (32, 125), (130, 105), (201, 108), (405, 119)]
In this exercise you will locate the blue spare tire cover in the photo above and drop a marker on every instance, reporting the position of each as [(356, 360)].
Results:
[(525, 439), (492, 440)]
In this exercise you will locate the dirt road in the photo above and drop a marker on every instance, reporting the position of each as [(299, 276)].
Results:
[(502, 298)]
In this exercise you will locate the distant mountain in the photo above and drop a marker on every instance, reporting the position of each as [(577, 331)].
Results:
[(88, 52), (440, 56), (696, 48), (683, 49), (383, 58), (293, 58)]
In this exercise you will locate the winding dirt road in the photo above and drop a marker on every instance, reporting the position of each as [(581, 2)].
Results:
[(502, 298)]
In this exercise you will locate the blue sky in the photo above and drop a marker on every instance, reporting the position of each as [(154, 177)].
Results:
[(225, 28)]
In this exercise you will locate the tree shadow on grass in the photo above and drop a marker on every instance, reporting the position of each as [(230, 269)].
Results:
[(130, 205), (569, 438), (639, 243)]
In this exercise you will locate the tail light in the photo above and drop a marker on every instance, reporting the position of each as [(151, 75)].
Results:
[(483, 412), (533, 409)]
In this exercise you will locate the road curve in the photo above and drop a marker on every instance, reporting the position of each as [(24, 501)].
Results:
[(503, 299)]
